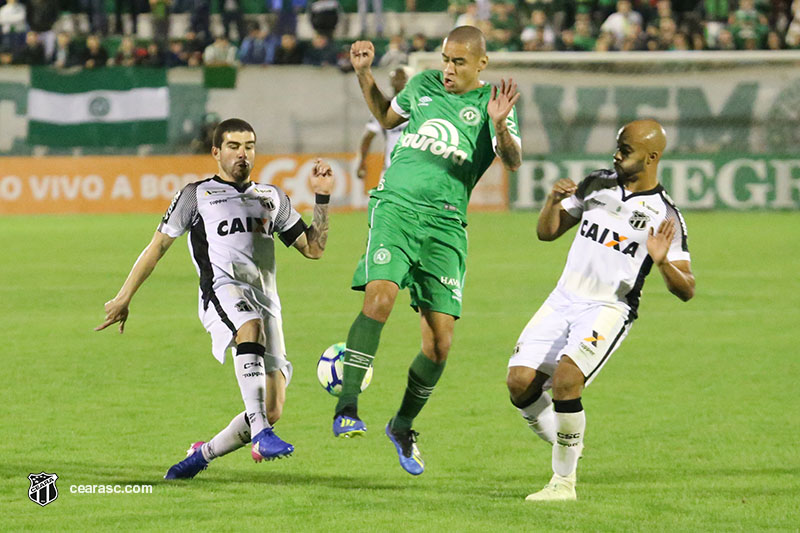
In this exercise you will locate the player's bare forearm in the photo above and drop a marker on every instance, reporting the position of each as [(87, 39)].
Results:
[(679, 278), (317, 233), (378, 104), (507, 148), (116, 309), (554, 219), (144, 266)]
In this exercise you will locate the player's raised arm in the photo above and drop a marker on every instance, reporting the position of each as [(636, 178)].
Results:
[(116, 309), (362, 53), (554, 220), (312, 243), (677, 274), (500, 105)]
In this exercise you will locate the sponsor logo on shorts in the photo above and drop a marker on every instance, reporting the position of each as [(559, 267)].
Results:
[(639, 220), (456, 295), (381, 256), (252, 364), (243, 307), (470, 115), (594, 338), (451, 282)]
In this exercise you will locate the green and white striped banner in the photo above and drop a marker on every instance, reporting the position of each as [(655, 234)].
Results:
[(113, 106)]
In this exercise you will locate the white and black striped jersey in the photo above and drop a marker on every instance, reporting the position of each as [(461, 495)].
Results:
[(390, 138), (608, 260), (231, 231)]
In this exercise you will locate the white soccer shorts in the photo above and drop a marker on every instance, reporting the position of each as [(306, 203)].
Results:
[(587, 332), (230, 308)]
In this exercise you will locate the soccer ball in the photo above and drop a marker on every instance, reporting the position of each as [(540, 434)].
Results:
[(330, 370)]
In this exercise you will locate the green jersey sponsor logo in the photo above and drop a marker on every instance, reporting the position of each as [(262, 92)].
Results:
[(439, 137)]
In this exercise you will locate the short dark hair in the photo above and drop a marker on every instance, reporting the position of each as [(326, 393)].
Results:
[(231, 124)]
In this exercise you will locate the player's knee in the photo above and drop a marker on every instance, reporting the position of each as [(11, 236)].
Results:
[(567, 385), (517, 386), (251, 331), (378, 306)]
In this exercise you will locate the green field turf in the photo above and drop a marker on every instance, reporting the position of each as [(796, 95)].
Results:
[(692, 426)]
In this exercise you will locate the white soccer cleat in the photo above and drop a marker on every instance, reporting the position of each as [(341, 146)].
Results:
[(560, 489)]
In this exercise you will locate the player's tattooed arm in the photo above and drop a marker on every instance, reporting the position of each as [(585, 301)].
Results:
[(500, 105), (312, 243)]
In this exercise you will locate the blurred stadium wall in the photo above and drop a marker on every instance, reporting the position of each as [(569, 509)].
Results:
[(733, 123)]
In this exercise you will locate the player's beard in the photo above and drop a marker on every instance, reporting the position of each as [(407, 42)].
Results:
[(628, 174), (240, 172)]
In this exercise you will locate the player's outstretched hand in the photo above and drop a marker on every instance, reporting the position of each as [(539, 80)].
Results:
[(115, 312), (321, 177), (502, 101), (658, 242), (362, 53), (563, 188)]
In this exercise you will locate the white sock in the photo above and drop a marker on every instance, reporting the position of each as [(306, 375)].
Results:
[(249, 366), (540, 418), (233, 437), (570, 427)]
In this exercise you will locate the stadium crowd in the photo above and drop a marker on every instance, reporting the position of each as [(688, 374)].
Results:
[(42, 32)]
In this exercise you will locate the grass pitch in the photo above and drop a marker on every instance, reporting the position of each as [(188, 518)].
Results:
[(692, 426)]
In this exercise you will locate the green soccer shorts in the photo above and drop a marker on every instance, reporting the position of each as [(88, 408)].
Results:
[(426, 253)]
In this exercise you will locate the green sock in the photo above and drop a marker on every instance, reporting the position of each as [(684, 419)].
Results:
[(422, 377), (362, 343)]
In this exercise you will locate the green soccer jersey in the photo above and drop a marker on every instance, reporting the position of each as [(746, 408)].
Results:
[(447, 145)]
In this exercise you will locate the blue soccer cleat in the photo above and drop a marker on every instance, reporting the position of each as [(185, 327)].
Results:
[(346, 424), (267, 445), (189, 467), (405, 442)]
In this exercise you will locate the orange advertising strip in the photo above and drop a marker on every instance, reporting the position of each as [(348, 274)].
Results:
[(107, 184)]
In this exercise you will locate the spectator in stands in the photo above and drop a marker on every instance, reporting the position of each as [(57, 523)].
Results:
[(469, 17), (419, 43), (286, 11), (539, 35), (456, 8), (715, 15), (32, 53), (289, 51), (725, 40), (176, 55), (749, 27), (159, 18), (220, 52), (13, 25), (258, 48), (377, 9), (195, 46), (680, 42), (200, 19), (793, 31), (698, 41), (94, 56), (42, 15), (96, 12), (324, 15), (63, 55), (128, 54), (584, 38), (134, 8), (396, 54), (667, 29), (231, 11), (6, 56), (622, 22), (555, 11), (154, 57), (321, 53)]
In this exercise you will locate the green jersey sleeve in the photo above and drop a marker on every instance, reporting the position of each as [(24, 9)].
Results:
[(402, 103), (513, 129)]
